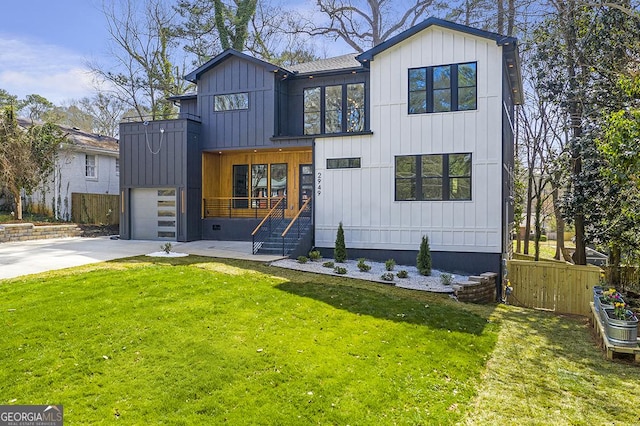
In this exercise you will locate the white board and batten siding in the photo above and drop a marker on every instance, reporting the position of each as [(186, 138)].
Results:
[(364, 199)]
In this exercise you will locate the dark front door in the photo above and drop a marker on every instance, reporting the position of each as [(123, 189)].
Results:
[(306, 183)]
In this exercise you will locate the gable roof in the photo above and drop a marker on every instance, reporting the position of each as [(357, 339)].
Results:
[(194, 75), (80, 140), (344, 62), (509, 49)]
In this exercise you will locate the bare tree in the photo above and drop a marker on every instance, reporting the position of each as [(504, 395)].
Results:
[(363, 24), (144, 50)]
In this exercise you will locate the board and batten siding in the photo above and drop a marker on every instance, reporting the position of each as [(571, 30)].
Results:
[(237, 129), (364, 200)]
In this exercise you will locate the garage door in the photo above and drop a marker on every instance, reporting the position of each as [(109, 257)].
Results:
[(153, 214)]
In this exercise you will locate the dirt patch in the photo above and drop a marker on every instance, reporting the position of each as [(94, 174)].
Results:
[(92, 231)]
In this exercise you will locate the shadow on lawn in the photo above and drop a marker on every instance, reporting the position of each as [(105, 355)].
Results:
[(392, 306)]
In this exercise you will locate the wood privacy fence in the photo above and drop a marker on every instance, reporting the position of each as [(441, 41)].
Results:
[(558, 287), (95, 208), (629, 277)]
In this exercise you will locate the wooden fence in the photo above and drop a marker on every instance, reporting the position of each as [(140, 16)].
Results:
[(558, 287), (629, 277), (95, 208)]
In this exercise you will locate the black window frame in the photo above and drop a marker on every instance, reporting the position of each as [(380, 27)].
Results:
[(339, 163), (346, 109), (416, 181), (427, 89), (232, 103)]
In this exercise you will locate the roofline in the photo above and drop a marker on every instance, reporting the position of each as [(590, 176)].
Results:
[(194, 75), (328, 72), (370, 54), (509, 49), (181, 97)]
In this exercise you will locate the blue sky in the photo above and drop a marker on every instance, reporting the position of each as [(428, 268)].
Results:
[(46, 44)]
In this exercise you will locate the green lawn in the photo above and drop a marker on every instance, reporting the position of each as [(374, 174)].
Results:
[(205, 341)]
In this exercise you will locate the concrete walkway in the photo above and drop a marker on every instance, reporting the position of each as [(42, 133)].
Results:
[(32, 257)]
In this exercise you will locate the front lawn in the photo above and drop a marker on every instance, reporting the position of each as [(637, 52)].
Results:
[(204, 341), (199, 341)]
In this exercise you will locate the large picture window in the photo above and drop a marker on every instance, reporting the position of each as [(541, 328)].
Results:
[(231, 101), (443, 88), (434, 177), (334, 109)]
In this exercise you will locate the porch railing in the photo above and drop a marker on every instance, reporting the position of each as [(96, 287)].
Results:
[(299, 223), (238, 207), (269, 224)]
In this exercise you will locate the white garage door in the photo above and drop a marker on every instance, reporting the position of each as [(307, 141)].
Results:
[(153, 214)]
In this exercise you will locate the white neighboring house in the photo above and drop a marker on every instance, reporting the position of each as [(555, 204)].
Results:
[(87, 163)]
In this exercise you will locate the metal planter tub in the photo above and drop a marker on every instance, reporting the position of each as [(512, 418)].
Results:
[(621, 332), (597, 293)]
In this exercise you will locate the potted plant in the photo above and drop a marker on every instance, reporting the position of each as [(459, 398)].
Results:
[(607, 301), (622, 325)]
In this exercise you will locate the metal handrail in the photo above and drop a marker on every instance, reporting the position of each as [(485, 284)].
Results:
[(240, 207), (295, 218), (255, 231)]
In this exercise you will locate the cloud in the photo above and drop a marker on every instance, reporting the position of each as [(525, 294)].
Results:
[(28, 66)]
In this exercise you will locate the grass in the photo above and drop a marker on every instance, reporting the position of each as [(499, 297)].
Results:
[(200, 341), (547, 248), (205, 341), (6, 217)]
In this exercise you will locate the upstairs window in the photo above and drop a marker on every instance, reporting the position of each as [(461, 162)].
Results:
[(231, 102), (334, 109), (90, 166), (438, 177), (443, 88)]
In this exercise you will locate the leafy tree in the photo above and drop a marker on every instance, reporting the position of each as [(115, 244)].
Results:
[(340, 250), (35, 107), (27, 155), (7, 99), (423, 261)]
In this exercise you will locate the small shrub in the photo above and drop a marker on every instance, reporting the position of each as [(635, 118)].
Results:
[(387, 276), (402, 274), (446, 279), (314, 255), (166, 247), (390, 264), (340, 270), (302, 259), (362, 265), (340, 250), (423, 262), (543, 238), (328, 264)]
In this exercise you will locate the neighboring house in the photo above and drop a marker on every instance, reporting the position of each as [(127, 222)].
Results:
[(87, 163), (413, 137)]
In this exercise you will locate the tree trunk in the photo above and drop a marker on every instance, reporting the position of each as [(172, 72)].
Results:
[(18, 200), (500, 17), (559, 225), (614, 264), (527, 218)]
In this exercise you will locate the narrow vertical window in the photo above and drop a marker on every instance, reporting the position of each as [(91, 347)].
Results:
[(333, 109), (117, 166), (442, 89), (240, 186), (418, 91), (259, 186), (459, 176), (431, 177), (467, 93), (278, 180), (355, 107), (90, 166), (312, 111), (406, 167)]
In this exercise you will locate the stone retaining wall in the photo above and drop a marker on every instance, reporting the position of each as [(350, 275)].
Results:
[(479, 289), (28, 231)]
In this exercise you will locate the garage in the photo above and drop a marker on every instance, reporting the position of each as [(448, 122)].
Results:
[(153, 214)]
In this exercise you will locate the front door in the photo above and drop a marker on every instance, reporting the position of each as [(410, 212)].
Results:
[(306, 183)]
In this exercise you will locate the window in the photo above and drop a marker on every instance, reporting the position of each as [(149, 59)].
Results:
[(117, 167), (334, 109), (241, 186), (436, 177), (231, 102), (312, 111), (443, 88), (90, 166), (343, 163), (278, 180)]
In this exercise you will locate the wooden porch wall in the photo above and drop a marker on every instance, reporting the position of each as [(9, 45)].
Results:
[(558, 287), (217, 171)]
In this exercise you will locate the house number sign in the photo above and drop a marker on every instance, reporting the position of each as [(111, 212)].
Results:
[(319, 183)]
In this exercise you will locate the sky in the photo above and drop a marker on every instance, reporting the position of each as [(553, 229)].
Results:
[(45, 46)]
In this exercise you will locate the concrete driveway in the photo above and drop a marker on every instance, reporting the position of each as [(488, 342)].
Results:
[(32, 257)]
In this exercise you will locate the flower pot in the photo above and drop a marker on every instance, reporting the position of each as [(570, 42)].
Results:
[(621, 332)]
